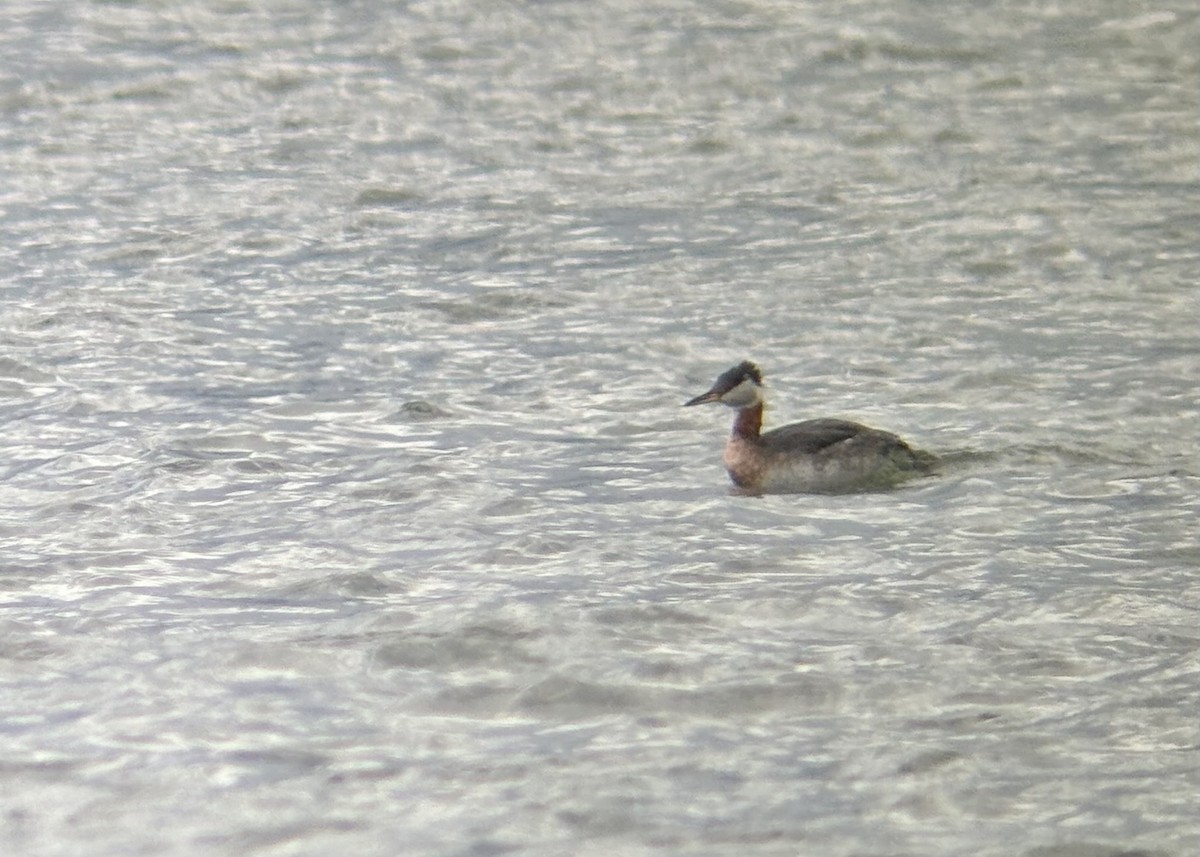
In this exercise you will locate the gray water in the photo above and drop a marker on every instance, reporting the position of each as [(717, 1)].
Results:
[(348, 506)]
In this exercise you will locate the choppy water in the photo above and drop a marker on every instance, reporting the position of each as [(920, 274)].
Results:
[(347, 502)]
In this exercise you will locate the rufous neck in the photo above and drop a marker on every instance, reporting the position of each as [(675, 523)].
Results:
[(748, 422)]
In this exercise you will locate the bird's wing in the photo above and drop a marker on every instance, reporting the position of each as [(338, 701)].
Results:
[(812, 436)]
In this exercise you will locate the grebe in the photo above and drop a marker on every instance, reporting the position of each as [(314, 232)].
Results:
[(826, 456)]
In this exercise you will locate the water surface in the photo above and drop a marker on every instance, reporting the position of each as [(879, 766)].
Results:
[(348, 505)]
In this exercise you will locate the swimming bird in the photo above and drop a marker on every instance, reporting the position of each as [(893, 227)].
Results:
[(823, 456)]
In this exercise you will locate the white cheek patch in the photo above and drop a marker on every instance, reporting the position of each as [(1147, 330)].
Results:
[(744, 395)]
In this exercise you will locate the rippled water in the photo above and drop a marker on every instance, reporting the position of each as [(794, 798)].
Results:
[(348, 502)]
